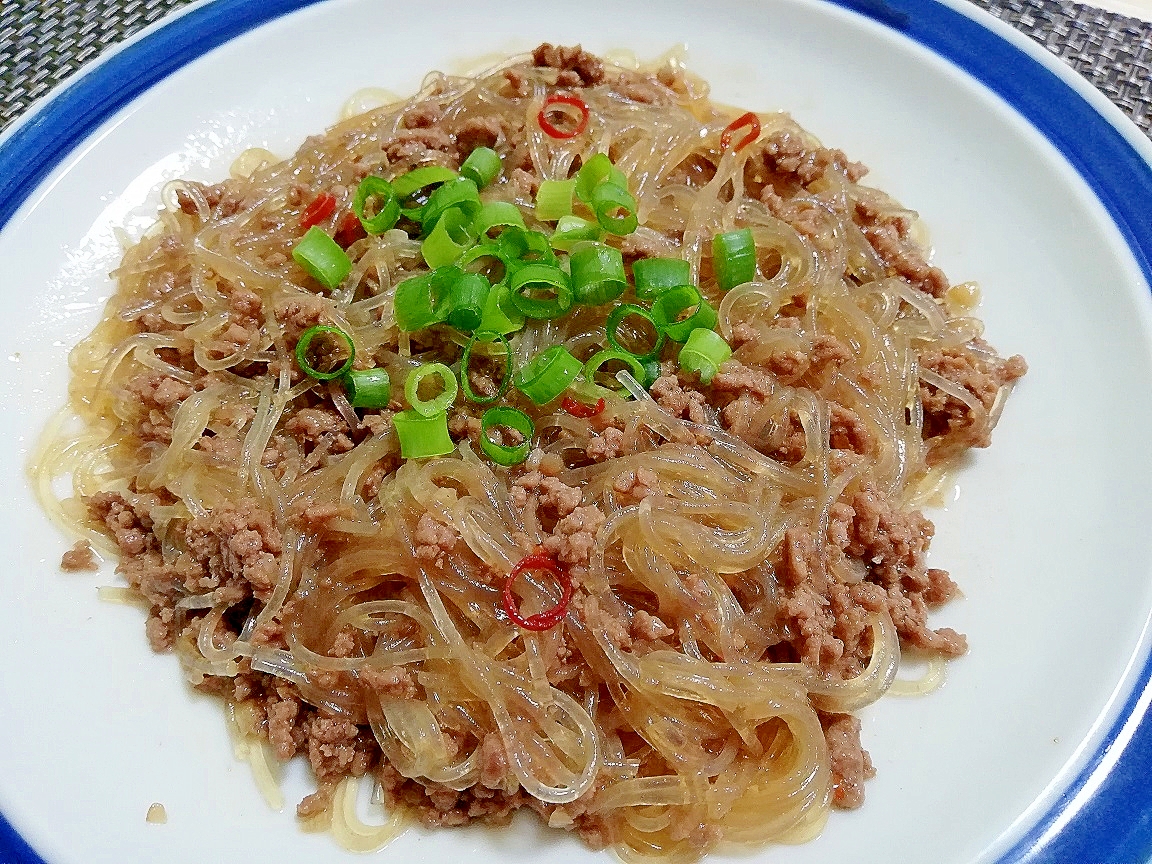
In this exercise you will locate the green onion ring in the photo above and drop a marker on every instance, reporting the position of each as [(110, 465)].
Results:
[(513, 418), (597, 274), (467, 297), (450, 238), (322, 258), (672, 302), (703, 353), (654, 276), (548, 374), (540, 277), (466, 361), (305, 342), (422, 437), (388, 211), (481, 167), (497, 214), (734, 258), (431, 407), (601, 357), (368, 388), (458, 192), (616, 318), (607, 200)]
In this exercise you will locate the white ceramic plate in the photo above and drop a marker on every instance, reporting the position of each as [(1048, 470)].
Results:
[(1032, 184)]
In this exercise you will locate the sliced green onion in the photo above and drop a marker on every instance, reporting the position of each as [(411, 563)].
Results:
[(488, 260), (734, 258), (679, 311), (467, 297), (497, 214), (322, 257), (466, 361), (451, 237), (533, 280), (571, 230), (513, 418), (654, 276), (421, 301), (548, 374), (438, 403), (500, 316), (368, 388), (628, 310), (527, 247), (599, 169), (481, 167), (459, 192), (422, 437), (597, 274), (651, 373), (386, 207), (328, 334), (418, 179), (615, 208), (703, 353), (601, 357), (554, 199)]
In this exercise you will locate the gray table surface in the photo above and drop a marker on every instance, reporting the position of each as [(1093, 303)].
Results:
[(42, 42)]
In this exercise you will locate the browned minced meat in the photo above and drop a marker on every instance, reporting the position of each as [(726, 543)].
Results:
[(576, 67), (851, 765), (80, 557), (889, 236)]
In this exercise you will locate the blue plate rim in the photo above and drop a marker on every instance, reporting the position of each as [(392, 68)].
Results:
[(1099, 816)]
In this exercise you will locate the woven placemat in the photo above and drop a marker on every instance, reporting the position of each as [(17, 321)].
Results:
[(42, 43)]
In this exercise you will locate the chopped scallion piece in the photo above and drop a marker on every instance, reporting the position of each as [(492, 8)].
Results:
[(418, 179), (421, 301), (615, 208), (513, 419), (334, 350), (368, 388), (322, 258), (554, 199), (601, 358), (628, 310), (654, 276), (540, 291), (597, 274), (548, 374), (703, 353), (571, 230), (497, 214), (734, 258), (423, 437), (679, 311), (466, 364), (527, 247), (481, 167), (385, 206), (467, 297), (599, 169), (459, 192), (500, 316), (449, 239), (437, 404)]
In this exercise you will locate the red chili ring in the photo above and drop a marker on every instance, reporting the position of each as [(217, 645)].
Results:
[(579, 409), (562, 99), (350, 231), (320, 209), (749, 119), (549, 618)]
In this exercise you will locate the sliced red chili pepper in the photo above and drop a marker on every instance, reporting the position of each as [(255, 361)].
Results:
[(751, 121), (563, 99), (549, 618), (320, 209), (350, 231), (579, 409)]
